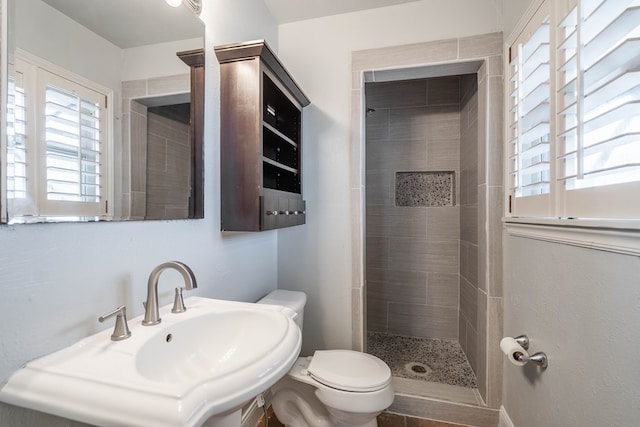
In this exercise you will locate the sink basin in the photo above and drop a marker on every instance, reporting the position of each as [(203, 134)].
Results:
[(206, 362)]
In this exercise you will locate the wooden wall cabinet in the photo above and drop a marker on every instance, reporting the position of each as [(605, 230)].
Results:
[(260, 140)]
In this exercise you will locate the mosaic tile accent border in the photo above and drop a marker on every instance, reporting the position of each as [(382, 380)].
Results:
[(420, 189)]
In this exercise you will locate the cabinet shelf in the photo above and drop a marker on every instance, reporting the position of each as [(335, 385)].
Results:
[(260, 140)]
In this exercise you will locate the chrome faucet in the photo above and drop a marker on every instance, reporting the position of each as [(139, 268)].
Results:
[(151, 313)]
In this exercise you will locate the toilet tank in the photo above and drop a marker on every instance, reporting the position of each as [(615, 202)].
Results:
[(294, 300)]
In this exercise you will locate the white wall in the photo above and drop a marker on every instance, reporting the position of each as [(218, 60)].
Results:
[(581, 307), (56, 279), (316, 258)]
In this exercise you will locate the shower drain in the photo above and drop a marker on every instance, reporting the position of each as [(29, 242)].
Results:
[(417, 368)]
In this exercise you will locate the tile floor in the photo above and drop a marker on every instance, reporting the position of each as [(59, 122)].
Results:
[(384, 420), (424, 359)]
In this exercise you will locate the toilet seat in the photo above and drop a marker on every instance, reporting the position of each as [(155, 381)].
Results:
[(349, 370)]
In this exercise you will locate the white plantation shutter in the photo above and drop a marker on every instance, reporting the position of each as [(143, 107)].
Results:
[(530, 111), (574, 140), (17, 181), (599, 114), (58, 147)]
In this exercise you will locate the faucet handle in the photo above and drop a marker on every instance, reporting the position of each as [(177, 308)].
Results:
[(178, 302), (121, 330)]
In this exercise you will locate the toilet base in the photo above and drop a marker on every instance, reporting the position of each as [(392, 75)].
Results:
[(295, 404)]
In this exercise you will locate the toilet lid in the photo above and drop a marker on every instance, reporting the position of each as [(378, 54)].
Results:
[(349, 370)]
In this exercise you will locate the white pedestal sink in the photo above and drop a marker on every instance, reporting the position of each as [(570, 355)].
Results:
[(196, 367)]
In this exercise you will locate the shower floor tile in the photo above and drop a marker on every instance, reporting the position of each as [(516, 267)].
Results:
[(423, 359)]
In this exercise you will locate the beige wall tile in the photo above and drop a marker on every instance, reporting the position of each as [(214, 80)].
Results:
[(439, 256), (443, 91), (377, 125), (469, 302), (423, 321), (378, 188), (481, 45), (443, 222), (443, 289), (180, 83), (441, 122), (494, 355), (397, 56), (494, 144), (443, 154), (445, 411), (377, 314), (407, 93), (397, 155)]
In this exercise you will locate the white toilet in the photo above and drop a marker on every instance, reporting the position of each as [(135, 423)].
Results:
[(332, 388)]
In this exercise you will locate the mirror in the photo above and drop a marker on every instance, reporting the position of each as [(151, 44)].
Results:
[(106, 89)]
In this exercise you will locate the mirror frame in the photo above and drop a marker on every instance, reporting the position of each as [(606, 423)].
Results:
[(195, 60)]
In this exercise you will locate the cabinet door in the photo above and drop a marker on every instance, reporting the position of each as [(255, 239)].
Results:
[(297, 210), (269, 213)]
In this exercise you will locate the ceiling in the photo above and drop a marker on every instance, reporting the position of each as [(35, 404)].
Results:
[(143, 22), (298, 10), (128, 23)]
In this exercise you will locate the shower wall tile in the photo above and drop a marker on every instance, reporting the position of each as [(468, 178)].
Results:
[(495, 65), (436, 51), (481, 350), (423, 321), (472, 348), (443, 222), (442, 289), (397, 278), (483, 259), (377, 126), (378, 187), (482, 45), (482, 130), (377, 318), (418, 123), (357, 335), (462, 331), (404, 292), (395, 155), (469, 223), (443, 91), (377, 250), (356, 174), (443, 154), (495, 139), (404, 93), (134, 89), (494, 355), (392, 221), (179, 83), (452, 412), (439, 256), (469, 262), (495, 232), (469, 301)]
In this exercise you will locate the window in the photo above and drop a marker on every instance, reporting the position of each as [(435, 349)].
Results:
[(58, 146), (530, 112), (585, 162)]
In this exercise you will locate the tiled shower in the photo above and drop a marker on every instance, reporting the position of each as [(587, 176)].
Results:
[(422, 227)]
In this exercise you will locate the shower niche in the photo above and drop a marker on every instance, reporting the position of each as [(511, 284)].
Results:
[(260, 140)]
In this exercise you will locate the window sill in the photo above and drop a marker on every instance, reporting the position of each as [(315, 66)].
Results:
[(619, 236)]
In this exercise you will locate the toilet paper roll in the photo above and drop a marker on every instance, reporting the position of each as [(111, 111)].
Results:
[(510, 348)]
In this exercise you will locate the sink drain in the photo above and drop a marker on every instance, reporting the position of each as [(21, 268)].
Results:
[(417, 369)]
